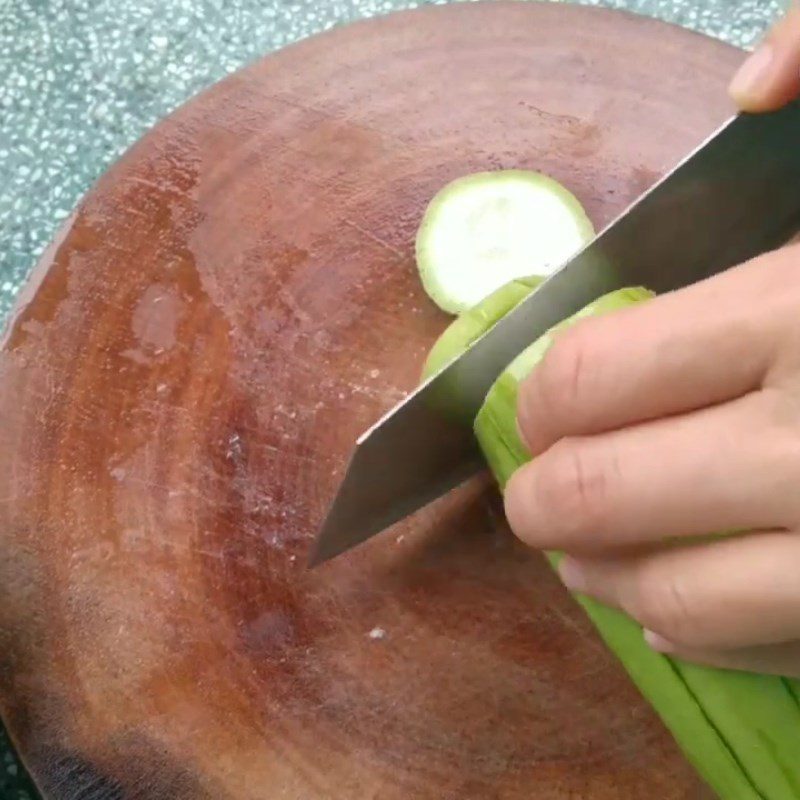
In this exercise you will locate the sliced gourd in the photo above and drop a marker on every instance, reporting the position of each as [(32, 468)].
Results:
[(483, 230)]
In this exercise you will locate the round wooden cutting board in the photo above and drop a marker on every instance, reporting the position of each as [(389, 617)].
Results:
[(229, 307)]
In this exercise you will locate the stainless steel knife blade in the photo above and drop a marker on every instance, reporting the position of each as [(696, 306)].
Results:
[(735, 196)]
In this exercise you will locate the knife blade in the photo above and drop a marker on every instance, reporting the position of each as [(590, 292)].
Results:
[(736, 196)]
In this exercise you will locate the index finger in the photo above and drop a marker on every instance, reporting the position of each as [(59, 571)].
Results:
[(703, 345)]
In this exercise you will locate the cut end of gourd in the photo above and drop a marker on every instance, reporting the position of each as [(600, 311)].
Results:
[(484, 230)]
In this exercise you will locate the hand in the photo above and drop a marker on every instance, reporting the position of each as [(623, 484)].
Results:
[(672, 420), (661, 424), (771, 75)]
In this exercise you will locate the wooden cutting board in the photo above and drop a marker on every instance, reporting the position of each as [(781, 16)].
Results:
[(228, 308)]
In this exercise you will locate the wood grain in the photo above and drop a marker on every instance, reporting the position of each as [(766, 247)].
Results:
[(226, 310)]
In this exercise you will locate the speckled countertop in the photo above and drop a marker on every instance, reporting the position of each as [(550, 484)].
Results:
[(81, 80)]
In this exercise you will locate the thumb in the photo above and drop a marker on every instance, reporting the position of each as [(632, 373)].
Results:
[(770, 77)]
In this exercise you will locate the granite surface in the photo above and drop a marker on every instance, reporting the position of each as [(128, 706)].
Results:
[(81, 80)]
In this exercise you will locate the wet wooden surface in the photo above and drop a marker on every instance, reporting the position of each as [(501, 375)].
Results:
[(230, 306)]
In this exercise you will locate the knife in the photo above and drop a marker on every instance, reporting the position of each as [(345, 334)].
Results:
[(736, 196)]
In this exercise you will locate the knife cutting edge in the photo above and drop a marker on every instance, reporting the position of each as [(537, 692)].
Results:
[(736, 196)]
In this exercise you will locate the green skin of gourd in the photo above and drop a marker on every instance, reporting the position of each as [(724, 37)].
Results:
[(740, 730), (473, 323)]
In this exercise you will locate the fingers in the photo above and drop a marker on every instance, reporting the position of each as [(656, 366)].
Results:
[(685, 350), (770, 77), (721, 595), (773, 659), (727, 467)]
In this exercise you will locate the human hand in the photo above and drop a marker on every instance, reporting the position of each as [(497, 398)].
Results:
[(771, 75), (672, 420)]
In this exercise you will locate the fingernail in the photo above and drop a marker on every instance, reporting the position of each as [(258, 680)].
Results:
[(516, 500), (753, 72), (572, 575), (522, 412), (658, 642), (521, 436)]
